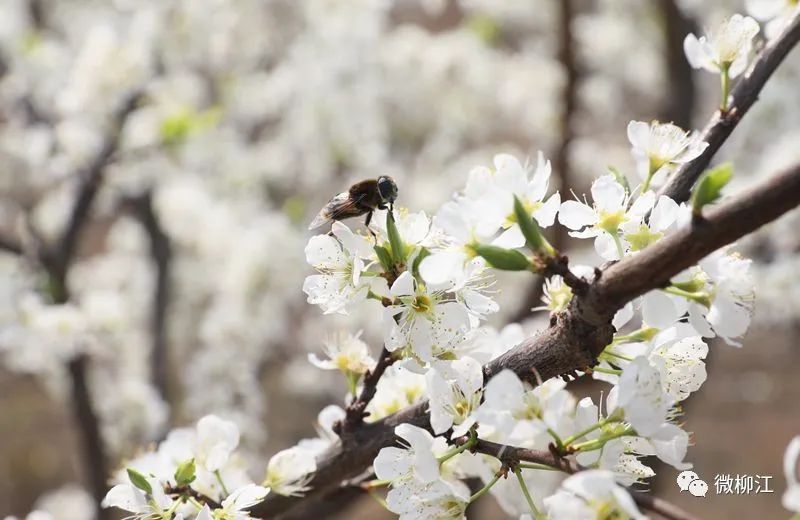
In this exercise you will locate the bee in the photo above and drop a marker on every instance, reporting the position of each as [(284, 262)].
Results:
[(361, 199)]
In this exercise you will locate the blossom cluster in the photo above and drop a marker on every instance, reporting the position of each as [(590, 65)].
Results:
[(432, 280), (198, 473)]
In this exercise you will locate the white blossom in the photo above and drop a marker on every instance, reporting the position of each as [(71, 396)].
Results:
[(668, 442), (602, 220), (591, 495), (510, 179), (727, 50), (791, 497), (143, 505), (397, 389), (620, 454), (215, 441), (415, 461), (512, 414), (777, 13), (425, 322), (69, 502), (640, 234), (339, 259), (455, 390), (346, 353), (556, 294), (459, 225), (725, 299), (240, 499), (680, 363), (641, 396), (414, 228), (289, 472), (436, 500), (659, 147)]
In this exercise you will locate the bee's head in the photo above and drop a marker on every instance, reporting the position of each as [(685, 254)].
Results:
[(387, 189)]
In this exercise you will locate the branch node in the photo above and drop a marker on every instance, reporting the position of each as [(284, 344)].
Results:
[(356, 411)]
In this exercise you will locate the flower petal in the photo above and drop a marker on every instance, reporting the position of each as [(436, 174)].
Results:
[(576, 215), (608, 194)]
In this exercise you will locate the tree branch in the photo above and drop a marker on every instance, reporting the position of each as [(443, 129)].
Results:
[(91, 179), (744, 94), (561, 163), (679, 105), (57, 262), (95, 456), (512, 455), (578, 334), (569, 104), (161, 254), (558, 264), (10, 244), (721, 225)]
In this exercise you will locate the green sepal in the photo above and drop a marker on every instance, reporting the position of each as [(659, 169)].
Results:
[(385, 258), (531, 231), (395, 242), (503, 259)]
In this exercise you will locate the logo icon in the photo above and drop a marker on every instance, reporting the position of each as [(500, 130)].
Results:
[(689, 480)]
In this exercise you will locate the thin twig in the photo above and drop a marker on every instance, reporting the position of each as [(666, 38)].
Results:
[(512, 456), (188, 491), (161, 254), (680, 93), (357, 410), (95, 456), (569, 106), (660, 506), (744, 94), (90, 180), (57, 262), (561, 164), (558, 264)]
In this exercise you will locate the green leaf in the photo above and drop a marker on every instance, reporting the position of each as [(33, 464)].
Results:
[(709, 188), (396, 243), (385, 258), (178, 126), (503, 259), (139, 480), (185, 474), (530, 229)]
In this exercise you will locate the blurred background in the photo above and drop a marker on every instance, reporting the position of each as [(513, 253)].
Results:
[(210, 132)]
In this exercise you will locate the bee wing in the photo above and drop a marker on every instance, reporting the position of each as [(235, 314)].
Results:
[(321, 219), (339, 207)]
